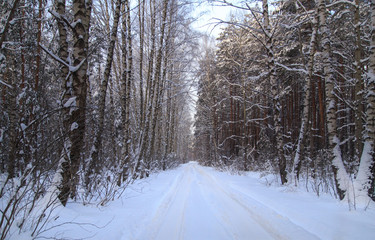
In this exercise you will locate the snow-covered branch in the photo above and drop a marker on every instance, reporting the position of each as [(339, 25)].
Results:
[(6, 84), (54, 56), (71, 68), (292, 69), (64, 19), (350, 3)]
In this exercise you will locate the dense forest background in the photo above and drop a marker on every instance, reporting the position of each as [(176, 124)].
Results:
[(291, 91), (97, 93)]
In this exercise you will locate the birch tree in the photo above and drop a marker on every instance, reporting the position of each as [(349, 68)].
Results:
[(97, 145), (154, 84), (364, 182), (341, 177), (306, 99), (126, 81), (275, 93), (74, 72)]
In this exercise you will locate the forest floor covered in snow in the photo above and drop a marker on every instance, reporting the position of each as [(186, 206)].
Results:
[(195, 202)]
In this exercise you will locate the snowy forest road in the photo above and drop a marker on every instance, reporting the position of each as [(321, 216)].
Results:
[(200, 206), (194, 202)]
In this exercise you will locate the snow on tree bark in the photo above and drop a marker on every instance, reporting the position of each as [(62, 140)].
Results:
[(63, 168), (141, 19), (342, 180), (150, 122), (358, 82), (8, 22), (76, 87), (275, 94), (364, 182), (126, 81), (97, 145), (306, 100), (158, 75)]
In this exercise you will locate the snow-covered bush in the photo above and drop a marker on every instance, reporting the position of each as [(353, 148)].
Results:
[(27, 203)]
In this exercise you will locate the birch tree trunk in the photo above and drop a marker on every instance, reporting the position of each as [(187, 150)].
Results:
[(64, 187), (364, 182), (158, 75), (97, 145), (342, 180), (75, 121), (141, 18), (306, 101), (168, 120), (148, 101), (129, 82), (126, 81), (275, 94), (38, 39), (148, 135), (151, 56), (124, 88)]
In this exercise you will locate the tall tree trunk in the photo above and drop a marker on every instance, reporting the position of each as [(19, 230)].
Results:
[(76, 104), (306, 102), (124, 88), (97, 145), (141, 18), (168, 120), (21, 27), (112, 127), (277, 114), (341, 177), (129, 82), (38, 39), (126, 81), (64, 187), (158, 81), (244, 125), (80, 48), (149, 94), (163, 41), (322, 119), (358, 84), (365, 180), (151, 56), (13, 118), (148, 135)]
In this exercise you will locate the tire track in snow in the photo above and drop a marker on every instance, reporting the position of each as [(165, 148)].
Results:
[(225, 232), (198, 206), (275, 224), (238, 222), (158, 228)]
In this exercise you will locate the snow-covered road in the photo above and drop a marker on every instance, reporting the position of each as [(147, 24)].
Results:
[(200, 206), (193, 202)]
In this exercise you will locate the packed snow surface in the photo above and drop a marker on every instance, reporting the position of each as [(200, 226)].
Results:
[(200, 203)]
